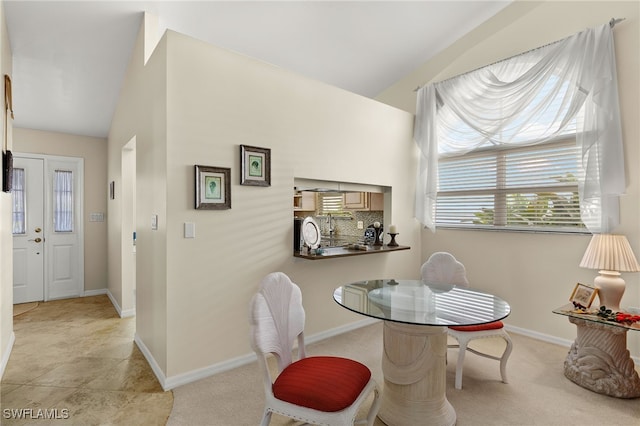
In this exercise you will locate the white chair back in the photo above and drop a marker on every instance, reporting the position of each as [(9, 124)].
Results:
[(277, 318), (443, 268)]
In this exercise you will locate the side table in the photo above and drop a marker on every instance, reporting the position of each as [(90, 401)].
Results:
[(599, 359)]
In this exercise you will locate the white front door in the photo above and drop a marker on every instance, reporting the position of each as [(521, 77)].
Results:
[(49, 254), (28, 230)]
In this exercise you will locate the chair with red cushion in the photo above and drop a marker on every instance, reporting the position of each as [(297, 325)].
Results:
[(323, 390), (444, 268)]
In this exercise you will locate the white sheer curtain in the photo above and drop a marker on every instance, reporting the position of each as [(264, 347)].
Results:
[(566, 87), (63, 201), (19, 202)]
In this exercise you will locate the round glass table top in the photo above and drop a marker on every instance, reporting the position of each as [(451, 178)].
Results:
[(417, 302)]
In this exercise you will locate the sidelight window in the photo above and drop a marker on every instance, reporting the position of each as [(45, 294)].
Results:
[(18, 197), (63, 201)]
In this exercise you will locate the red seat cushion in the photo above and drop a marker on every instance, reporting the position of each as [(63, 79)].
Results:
[(481, 327), (323, 383)]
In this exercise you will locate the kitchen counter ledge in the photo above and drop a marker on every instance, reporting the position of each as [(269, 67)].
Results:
[(333, 252)]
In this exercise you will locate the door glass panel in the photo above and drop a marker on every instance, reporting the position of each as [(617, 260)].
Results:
[(63, 201), (19, 203)]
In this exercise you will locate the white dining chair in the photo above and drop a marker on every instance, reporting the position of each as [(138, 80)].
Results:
[(444, 268), (322, 390)]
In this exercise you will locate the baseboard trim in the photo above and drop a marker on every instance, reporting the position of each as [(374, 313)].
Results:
[(550, 339), (152, 361), (539, 336), (172, 382), (201, 373), (7, 354), (340, 330), (122, 313), (98, 292)]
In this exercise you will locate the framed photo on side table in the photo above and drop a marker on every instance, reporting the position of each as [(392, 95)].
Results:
[(583, 295), (255, 166), (213, 188)]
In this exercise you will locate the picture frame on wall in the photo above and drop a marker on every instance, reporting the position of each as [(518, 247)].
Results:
[(213, 187), (255, 165), (583, 295)]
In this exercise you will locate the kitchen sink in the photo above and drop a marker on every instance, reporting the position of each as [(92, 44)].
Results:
[(332, 251), (334, 241)]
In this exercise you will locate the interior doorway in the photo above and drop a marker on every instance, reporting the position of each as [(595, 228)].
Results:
[(128, 238)]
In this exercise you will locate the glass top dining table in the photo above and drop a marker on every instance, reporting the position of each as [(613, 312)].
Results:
[(421, 303), (416, 315)]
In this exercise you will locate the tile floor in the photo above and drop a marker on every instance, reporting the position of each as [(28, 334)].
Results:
[(75, 361)]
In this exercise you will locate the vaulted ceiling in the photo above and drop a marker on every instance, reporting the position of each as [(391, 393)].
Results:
[(70, 57)]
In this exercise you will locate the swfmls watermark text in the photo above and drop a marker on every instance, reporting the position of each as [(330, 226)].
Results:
[(35, 413)]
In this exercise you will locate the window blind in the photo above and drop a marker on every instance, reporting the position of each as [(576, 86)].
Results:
[(533, 188), (331, 202)]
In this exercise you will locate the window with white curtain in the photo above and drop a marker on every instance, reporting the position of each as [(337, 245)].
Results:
[(531, 142), (19, 202), (63, 201)]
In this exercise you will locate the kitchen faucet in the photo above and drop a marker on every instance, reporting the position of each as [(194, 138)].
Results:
[(331, 228)]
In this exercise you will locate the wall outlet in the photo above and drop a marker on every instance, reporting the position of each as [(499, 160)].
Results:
[(360, 224), (96, 217)]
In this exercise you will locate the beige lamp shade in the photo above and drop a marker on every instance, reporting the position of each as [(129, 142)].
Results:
[(610, 253)]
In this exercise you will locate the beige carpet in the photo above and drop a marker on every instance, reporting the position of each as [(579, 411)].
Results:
[(537, 392)]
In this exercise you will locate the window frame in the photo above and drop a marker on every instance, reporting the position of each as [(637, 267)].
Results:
[(500, 191)]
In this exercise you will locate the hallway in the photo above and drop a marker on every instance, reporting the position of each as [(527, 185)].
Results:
[(74, 360)]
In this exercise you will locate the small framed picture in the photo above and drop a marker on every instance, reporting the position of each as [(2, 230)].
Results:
[(583, 295), (255, 164), (213, 188)]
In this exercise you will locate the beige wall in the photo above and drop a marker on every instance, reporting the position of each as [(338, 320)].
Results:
[(193, 294), (6, 238), (141, 114), (93, 151), (536, 272), (218, 100)]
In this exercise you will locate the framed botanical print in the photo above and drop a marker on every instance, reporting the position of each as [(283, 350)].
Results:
[(213, 188), (255, 164)]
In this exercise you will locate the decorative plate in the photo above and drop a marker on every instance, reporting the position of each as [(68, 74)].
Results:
[(311, 232)]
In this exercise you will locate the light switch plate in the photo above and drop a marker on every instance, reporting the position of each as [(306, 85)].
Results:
[(189, 230), (154, 222), (360, 224)]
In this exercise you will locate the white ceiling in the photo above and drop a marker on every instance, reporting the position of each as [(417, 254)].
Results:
[(69, 58)]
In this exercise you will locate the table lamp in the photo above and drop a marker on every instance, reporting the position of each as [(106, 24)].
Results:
[(610, 254)]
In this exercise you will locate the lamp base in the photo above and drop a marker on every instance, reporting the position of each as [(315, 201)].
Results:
[(610, 289)]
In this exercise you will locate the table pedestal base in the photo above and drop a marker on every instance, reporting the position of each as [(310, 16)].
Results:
[(599, 360), (414, 367)]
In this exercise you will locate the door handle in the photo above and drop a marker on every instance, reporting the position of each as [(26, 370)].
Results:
[(37, 240)]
